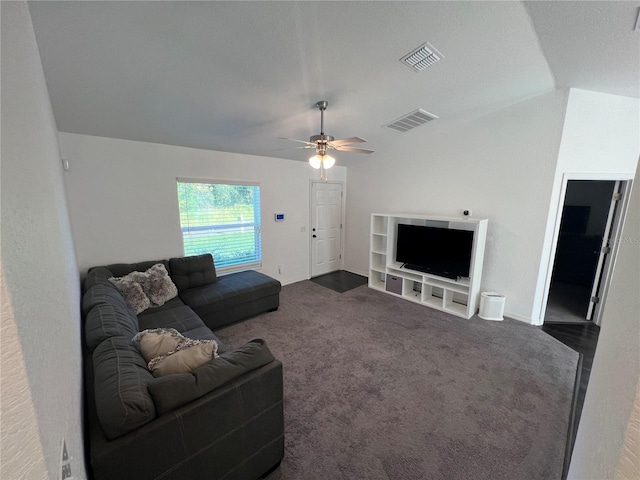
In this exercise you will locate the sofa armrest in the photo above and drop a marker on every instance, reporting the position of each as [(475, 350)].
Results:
[(172, 391), (236, 429)]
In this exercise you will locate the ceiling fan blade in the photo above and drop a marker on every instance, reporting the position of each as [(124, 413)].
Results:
[(296, 140), (353, 149), (346, 141), (291, 148)]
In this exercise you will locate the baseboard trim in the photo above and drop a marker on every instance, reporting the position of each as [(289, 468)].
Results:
[(520, 318), (356, 273)]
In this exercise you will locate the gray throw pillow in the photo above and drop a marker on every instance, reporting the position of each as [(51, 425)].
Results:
[(158, 286), (148, 289), (131, 289)]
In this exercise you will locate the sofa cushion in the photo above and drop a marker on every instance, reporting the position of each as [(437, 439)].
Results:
[(121, 377), (183, 319), (122, 269), (230, 291), (97, 276), (103, 294), (168, 305), (191, 272), (109, 320), (173, 391)]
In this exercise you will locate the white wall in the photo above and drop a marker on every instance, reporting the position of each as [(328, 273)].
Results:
[(613, 384), (600, 139), (629, 463), (124, 208), (501, 166), (41, 357)]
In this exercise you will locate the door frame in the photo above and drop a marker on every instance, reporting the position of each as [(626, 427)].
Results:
[(626, 181), (342, 217)]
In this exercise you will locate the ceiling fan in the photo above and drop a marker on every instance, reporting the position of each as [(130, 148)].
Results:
[(321, 160)]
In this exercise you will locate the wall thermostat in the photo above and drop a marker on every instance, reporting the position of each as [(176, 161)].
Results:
[(279, 217)]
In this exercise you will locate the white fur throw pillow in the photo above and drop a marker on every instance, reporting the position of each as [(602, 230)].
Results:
[(158, 285), (155, 285), (132, 291), (167, 351)]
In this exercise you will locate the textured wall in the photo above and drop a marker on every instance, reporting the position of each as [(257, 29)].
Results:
[(123, 200), (629, 466), (40, 299), (607, 414), (21, 452)]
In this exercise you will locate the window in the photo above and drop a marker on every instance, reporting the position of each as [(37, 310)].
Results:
[(223, 219)]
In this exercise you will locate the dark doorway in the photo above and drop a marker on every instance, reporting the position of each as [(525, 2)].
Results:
[(588, 211)]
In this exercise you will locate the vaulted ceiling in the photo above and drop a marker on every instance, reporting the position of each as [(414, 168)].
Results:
[(235, 76)]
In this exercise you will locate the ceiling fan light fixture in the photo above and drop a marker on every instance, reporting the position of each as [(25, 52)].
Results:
[(324, 161), (315, 161), (328, 161)]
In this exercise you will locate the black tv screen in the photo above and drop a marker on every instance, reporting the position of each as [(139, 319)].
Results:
[(444, 252)]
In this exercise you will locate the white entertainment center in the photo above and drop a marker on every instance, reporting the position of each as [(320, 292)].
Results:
[(458, 296)]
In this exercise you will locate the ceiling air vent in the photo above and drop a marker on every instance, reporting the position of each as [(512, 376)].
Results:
[(422, 57), (410, 120)]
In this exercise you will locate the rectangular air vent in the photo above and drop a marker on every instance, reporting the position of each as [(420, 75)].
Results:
[(422, 57), (411, 120)]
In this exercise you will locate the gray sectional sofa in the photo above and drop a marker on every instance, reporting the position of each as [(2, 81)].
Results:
[(221, 420)]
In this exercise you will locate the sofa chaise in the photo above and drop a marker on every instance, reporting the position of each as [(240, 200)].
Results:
[(222, 419)]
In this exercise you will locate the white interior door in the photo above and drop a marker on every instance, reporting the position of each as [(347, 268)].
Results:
[(326, 227)]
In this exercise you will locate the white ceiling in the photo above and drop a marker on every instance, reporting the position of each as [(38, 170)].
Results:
[(235, 76)]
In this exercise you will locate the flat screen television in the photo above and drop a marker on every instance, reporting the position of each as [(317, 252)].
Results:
[(444, 252)]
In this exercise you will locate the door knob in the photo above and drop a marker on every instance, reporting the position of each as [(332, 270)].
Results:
[(314, 236)]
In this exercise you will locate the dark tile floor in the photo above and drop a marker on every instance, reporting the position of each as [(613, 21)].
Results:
[(340, 281), (583, 338)]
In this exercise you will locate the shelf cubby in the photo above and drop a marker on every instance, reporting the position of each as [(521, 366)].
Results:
[(379, 224), (377, 279), (379, 243)]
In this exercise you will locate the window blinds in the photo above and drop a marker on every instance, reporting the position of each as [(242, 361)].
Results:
[(221, 218)]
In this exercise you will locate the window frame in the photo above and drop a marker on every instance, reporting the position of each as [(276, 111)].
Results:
[(253, 264)]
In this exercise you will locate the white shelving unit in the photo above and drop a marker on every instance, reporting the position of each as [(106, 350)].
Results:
[(459, 297)]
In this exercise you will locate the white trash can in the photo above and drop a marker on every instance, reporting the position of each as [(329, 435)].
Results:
[(491, 306)]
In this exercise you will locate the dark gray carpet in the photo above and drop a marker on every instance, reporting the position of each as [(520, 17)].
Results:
[(379, 388)]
